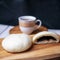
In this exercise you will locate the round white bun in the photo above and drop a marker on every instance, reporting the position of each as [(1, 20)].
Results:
[(45, 33), (17, 43)]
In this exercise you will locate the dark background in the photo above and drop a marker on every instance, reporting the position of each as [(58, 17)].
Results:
[(46, 10)]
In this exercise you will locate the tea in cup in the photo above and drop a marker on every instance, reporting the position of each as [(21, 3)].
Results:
[(27, 24)]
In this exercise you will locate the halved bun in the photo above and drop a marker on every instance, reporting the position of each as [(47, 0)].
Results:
[(54, 37)]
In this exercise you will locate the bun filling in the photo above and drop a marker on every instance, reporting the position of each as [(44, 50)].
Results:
[(45, 38)]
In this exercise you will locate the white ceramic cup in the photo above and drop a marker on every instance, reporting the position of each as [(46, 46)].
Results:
[(27, 24)]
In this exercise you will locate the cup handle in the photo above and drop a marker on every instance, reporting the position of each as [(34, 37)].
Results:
[(38, 26)]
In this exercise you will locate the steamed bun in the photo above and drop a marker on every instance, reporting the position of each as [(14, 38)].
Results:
[(17, 43), (45, 37)]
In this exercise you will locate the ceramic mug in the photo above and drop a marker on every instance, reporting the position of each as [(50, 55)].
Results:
[(27, 24)]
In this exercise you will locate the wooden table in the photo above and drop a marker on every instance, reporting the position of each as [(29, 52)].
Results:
[(36, 52)]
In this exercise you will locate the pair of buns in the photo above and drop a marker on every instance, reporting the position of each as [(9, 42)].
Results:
[(22, 42)]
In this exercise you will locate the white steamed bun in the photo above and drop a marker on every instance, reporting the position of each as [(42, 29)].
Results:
[(17, 43)]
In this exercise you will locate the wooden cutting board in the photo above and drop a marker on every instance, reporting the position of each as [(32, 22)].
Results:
[(46, 51), (16, 30), (36, 52)]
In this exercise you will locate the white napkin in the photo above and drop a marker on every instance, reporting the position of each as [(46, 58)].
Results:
[(55, 31), (4, 30)]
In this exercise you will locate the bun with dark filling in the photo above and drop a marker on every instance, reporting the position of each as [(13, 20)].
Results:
[(45, 37)]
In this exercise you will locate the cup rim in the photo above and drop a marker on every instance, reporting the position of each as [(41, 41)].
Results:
[(32, 18)]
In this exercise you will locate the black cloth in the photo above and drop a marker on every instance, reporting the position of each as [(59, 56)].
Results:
[(10, 10), (46, 10)]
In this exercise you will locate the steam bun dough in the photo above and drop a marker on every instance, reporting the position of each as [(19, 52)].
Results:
[(17, 43)]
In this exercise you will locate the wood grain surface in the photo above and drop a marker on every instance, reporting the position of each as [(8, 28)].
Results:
[(16, 30), (36, 52)]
